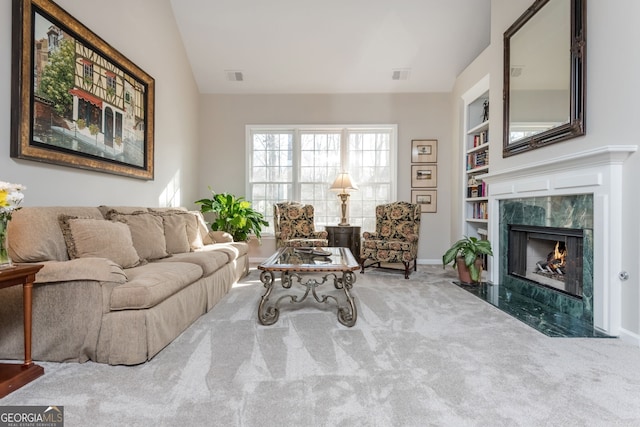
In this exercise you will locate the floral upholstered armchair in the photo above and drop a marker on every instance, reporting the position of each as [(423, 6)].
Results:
[(294, 226), (395, 239)]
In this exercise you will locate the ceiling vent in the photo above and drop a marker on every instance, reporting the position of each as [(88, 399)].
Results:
[(400, 74), (234, 76)]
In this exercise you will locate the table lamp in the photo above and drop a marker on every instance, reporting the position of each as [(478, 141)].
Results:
[(342, 184)]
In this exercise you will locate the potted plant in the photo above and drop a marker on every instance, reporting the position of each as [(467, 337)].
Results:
[(467, 253), (234, 215)]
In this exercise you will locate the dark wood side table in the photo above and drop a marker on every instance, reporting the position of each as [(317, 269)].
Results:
[(15, 375), (346, 236)]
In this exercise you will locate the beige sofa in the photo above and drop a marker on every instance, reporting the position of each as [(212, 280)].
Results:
[(118, 283)]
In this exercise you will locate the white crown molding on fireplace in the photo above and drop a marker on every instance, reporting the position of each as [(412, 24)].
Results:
[(596, 171)]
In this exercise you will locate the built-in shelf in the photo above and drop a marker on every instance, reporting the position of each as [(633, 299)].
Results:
[(476, 160), (479, 128), (478, 170), (478, 148), (478, 220)]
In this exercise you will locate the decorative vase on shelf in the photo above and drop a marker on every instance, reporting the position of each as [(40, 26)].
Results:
[(10, 198), (5, 259)]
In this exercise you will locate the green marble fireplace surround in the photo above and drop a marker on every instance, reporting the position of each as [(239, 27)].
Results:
[(572, 212), (567, 190)]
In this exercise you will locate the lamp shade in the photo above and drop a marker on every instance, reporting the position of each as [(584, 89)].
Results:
[(343, 183)]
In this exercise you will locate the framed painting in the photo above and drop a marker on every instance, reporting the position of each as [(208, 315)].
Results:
[(75, 100), (424, 176), (427, 199), (424, 151)]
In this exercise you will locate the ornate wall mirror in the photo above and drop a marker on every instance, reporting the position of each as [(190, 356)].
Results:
[(544, 75)]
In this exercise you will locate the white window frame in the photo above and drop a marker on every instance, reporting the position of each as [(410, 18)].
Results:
[(344, 130)]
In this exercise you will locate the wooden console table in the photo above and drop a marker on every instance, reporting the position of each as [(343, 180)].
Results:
[(347, 236), (15, 375)]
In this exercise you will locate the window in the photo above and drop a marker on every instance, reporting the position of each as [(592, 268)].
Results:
[(87, 72), (299, 163), (111, 83)]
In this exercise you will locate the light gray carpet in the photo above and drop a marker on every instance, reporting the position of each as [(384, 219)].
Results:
[(423, 352)]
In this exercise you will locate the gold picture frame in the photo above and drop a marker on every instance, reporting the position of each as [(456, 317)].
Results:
[(427, 199), (76, 101), (424, 151), (424, 176)]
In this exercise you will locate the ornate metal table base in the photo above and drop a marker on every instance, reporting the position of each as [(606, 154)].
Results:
[(268, 313)]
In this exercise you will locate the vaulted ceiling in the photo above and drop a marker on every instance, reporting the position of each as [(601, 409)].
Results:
[(331, 46)]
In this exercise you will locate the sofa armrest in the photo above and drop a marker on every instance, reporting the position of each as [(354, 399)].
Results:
[(98, 269), (220, 236)]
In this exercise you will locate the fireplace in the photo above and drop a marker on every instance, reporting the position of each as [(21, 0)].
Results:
[(570, 189), (532, 230), (547, 256)]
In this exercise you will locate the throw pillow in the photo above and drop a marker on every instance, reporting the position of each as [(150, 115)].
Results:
[(147, 233), (86, 237), (175, 233), (194, 238)]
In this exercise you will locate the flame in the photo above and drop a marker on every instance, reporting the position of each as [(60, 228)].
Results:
[(559, 256)]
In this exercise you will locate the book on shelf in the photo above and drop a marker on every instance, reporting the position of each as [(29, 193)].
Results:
[(476, 140), (478, 159), (477, 189), (484, 137), (480, 210)]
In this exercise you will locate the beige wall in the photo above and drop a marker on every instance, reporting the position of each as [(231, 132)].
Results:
[(146, 33), (222, 128)]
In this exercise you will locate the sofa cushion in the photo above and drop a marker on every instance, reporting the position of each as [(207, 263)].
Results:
[(152, 283), (210, 261), (147, 233), (40, 237), (87, 237)]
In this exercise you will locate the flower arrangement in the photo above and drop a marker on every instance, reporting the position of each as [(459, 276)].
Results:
[(10, 198)]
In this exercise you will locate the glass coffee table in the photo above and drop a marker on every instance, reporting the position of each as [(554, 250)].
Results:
[(336, 264)]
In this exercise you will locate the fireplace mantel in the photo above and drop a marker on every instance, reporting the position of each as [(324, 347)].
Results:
[(602, 156), (595, 171)]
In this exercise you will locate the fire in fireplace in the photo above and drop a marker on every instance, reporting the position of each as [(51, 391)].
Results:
[(555, 265), (547, 256)]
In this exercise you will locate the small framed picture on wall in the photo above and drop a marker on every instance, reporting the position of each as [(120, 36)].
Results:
[(424, 151), (424, 176), (427, 199)]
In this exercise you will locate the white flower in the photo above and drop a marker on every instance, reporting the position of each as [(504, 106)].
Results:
[(10, 197)]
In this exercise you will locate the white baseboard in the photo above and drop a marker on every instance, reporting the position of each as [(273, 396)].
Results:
[(630, 337), (422, 261)]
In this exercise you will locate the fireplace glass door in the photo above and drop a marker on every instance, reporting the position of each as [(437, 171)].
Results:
[(548, 256)]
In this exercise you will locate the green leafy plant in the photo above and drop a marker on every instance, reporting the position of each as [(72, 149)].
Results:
[(468, 248), (234, 215)]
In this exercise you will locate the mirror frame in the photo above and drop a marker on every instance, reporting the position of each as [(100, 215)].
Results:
[(577, 103)]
